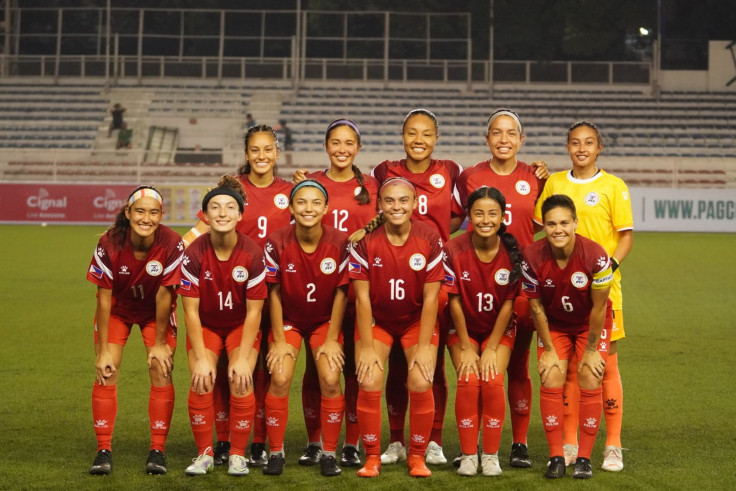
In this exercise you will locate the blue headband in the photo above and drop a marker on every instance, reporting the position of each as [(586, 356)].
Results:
[(305, 183), (340, 122)]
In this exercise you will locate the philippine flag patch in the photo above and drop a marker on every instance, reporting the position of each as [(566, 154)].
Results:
[(528, 287), (449, 280), (270, 271), (95, 271), (354, 267), (185, 284)]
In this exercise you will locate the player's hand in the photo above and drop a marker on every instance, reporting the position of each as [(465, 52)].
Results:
[(488, 368), (104, 366), (203, 376), (277, 351), (332, 350), (299, 175), (425, 359), (547, 362), (541, 171), (366, 361), (467, 364), (240, 374), (593, 360), (164, 355)]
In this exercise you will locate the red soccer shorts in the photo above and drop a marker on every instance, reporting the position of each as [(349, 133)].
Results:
[(316, 336), (118, 331), (216, 339), (408, 337)]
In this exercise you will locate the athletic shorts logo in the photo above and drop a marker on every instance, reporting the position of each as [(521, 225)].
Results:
[(579, 280), (154, 268), (592, 198), (417, 262), (502, 276), (523, 187), (328, 265), (281, 201), (240, 274), (437, 181), (288, 328)]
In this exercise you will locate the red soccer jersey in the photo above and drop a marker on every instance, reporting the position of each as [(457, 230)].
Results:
[(308, 280), (223, 286), (434, 190), (565, 292), (345, 213), (266, 210), (521, 189), (397, 274), (482, 287), (134, 283)]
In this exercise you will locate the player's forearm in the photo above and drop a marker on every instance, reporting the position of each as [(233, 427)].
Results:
[(194, 327), (104, 307), (624, 246), (199, 228), (164, 297), (458, 321), (339, 304), (428, 320), (276, 310), (502, 323), (540, 323), (251, 326)]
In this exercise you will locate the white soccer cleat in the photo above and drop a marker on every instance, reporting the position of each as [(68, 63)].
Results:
[(201, 464), (613, 459), (433, 455), (395, 452), (237, 466), (468, 465), (489, 464), (571, 453)]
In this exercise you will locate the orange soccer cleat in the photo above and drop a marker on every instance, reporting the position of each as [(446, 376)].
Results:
[(417, 467), (372, 466)]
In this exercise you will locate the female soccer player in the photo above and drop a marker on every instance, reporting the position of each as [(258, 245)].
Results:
[(521, 186), (307, 272), (223, 289), (135, 267), (483, 267), (567, 278), (268, 210), (604, 208), (396, 273), (353, 198)]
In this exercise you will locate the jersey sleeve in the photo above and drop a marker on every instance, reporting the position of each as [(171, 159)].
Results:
[(621, 213), (358, 265), (271, 253), (256, 286), (529, 278), (174, 256), (601, 267), (460, 195), (546, 193), (100, 267), (379, 172), (450, 284), (435, 264), (342, 268), (190, 269)]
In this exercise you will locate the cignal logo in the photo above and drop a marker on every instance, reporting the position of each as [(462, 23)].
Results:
[(44, 201), (109, 201)]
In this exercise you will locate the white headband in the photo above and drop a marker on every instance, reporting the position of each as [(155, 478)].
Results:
[(513, 116)]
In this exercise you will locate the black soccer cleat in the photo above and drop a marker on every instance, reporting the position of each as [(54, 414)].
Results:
[(556, 468), (583, 469), (520, 456), (156, 462), (275, 465), (222, 452), (328, 466), (258, 456), (311, 455), (350, 457), (102, 465)]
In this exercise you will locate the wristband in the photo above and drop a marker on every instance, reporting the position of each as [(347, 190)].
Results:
[(614, 264)]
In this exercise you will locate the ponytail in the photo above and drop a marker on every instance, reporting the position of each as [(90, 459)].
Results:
[(375, 222), (364, 196)]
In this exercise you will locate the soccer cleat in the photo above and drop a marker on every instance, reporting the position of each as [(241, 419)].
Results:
[(519, 456), (156, 462), (350, 457), (328, 466), (275, 465), (311, 455), (433, 455), (570, 452), (556, 468), (468, 465), (456, 460), (489, 464), (613, 459), (237, 466), (372, 466), (222, 452), (417, 467), (582, 470), (395, 452), (102, 465), (258, 455), (201, 464)]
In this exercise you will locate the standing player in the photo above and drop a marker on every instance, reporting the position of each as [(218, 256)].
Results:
[(604, 208), (307, 272), (520, 185), (135, 267), (483, 267), (268, 210), (223, 289), (567, 278), (396, 273)]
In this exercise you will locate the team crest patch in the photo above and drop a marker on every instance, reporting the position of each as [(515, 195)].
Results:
[(281, 201), (154, 268), (523, 187), (437, 181), (579, 280), (328, 265), (356, 191), (417, 262), (592, 198), (240, 274), (502, 276)]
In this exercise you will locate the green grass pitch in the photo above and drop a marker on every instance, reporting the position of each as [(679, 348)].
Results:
[(677, 364)]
